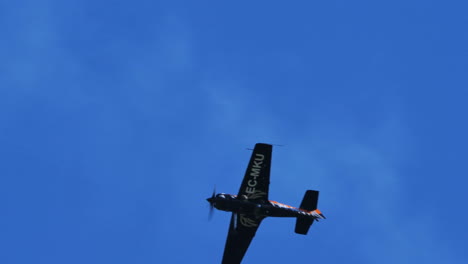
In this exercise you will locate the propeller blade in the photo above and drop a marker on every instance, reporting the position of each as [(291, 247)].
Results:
[(211, 201), (210, 216)]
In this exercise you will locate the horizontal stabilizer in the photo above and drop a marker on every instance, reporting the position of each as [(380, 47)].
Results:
[(310, 200), (303, 224)]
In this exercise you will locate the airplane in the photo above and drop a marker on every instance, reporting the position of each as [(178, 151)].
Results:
[(251, 205)]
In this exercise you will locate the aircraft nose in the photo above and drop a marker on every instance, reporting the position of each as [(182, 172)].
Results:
[(209, 199)]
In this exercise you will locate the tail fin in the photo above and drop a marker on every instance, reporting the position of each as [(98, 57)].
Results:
[(309, 203)]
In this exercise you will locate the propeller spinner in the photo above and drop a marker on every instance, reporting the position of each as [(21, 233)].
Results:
[(211, 200)]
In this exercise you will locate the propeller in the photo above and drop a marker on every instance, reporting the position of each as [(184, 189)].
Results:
[(212, 202)]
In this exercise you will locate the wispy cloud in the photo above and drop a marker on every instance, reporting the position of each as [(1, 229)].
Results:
[(362, 178)]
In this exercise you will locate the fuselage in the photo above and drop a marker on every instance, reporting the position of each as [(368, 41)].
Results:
[(233, 203)]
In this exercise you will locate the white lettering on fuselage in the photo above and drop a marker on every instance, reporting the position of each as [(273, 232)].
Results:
[(254, 173)]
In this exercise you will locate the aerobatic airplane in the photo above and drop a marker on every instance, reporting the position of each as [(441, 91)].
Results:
[(251, 205)]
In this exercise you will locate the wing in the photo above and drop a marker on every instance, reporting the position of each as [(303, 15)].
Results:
[(241, 231), (257, 176)]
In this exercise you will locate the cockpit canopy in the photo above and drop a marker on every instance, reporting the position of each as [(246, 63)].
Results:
[(226, 196)]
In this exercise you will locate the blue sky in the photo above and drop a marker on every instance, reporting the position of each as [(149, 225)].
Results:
[(117, 118)]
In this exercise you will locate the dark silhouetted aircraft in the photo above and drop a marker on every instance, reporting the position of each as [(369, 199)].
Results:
[(251, 205)]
